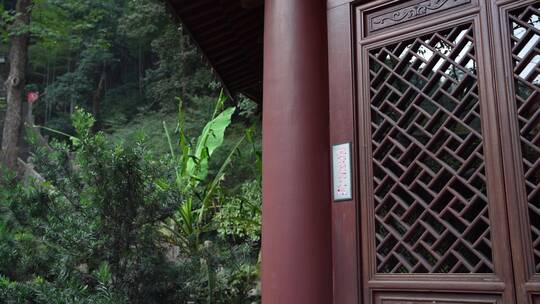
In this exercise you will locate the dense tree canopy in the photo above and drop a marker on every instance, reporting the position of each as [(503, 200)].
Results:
[(140, 182)]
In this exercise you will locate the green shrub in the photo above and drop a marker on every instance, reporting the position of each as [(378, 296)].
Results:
[(115, 223)]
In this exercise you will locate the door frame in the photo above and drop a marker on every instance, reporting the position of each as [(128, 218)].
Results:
[(526, 279), (497, 210)]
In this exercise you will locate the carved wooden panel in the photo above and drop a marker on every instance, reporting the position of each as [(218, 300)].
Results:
[(410, 11), (430, 196), (404, 298), (525, 36)]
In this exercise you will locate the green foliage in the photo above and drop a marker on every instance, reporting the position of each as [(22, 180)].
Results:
[(146, 59), (110, 223), (118, 211), (142, 21), (195, 228), (8, 22), (248, 108), (149, 127), (96, 218), (210, 139), (240, 217), (191, 169), (82, 31), (180, 72)]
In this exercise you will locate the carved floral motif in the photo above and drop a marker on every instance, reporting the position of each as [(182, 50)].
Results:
[(412, 12)]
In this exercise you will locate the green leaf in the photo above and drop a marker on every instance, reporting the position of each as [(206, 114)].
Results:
[(210, 139), (219, 176)]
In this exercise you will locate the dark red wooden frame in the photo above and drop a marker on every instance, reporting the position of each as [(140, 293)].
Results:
[(527, 281)]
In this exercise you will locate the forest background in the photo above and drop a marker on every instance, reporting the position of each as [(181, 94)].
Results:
[(136, 180)]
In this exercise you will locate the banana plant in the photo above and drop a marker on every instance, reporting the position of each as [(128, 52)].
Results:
[(191, 165)]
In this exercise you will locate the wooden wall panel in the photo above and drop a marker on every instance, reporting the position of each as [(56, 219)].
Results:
[(342, 109)]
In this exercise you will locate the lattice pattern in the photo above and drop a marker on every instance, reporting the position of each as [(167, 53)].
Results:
[(431, 209), (525, 35)]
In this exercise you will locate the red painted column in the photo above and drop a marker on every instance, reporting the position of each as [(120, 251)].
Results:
[(297, 256)]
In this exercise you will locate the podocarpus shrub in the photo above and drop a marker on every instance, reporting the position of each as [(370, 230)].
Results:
[(98, 205)]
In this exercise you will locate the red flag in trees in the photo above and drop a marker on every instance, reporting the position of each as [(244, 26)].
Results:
[(32, 97)]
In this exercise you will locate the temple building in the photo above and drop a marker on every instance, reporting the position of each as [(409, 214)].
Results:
[(401, 144)]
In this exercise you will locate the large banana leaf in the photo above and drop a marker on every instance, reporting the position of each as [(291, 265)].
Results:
[(211, 138)]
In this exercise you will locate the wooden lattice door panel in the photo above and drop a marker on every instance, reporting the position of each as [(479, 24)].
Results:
[(429, 183), (524, 32), (449, 153)]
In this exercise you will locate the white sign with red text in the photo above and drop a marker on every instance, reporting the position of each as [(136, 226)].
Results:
[(341, 172)]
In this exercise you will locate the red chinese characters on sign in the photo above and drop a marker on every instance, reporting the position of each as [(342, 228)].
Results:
[(341, 171), (32, 97)]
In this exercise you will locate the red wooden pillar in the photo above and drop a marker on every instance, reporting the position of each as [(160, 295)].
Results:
[(297, 253)]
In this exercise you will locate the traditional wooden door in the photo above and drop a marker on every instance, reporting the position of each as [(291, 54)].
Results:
[(517, 48), (448, 120)]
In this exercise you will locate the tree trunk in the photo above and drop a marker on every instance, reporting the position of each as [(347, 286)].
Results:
[(18, 57), (97, 96), (141, 71)]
